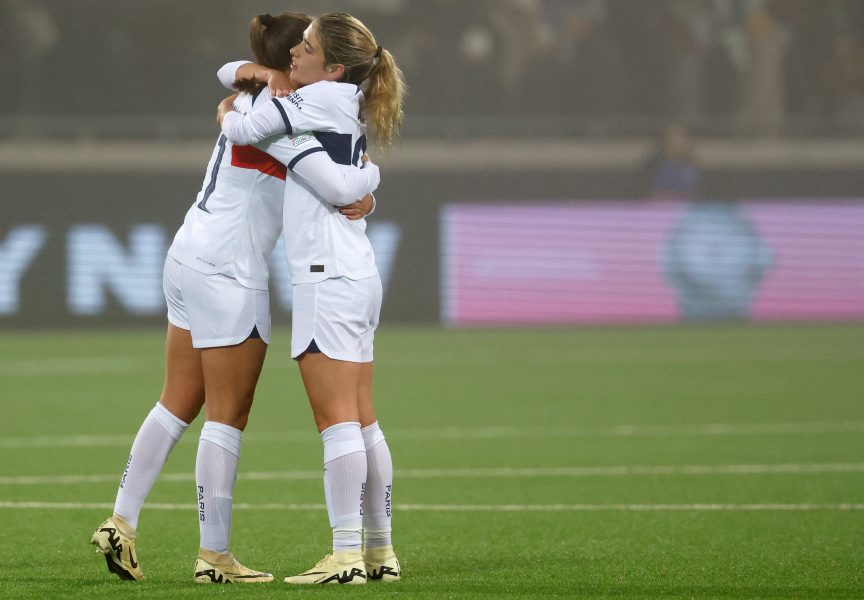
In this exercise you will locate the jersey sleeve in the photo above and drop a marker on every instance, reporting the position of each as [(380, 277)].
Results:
[(256, 126), (311, 108), (228, 73), (307, 160)]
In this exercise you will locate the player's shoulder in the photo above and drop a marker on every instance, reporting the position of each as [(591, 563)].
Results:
[(331, 87), (324, 93), (245, 102)]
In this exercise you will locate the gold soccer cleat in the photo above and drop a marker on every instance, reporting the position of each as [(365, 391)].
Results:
[(382, 564), (215, 567), (339, 567), (115, 538)]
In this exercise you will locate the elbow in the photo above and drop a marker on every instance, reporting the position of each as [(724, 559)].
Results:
[(338, 192), (237, 132), (224, 76), (342, 194), (238, 139)]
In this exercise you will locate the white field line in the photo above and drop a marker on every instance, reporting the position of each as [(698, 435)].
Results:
[(97, 441), (696, 470), (84, 365), (469, 507), (693, 430)]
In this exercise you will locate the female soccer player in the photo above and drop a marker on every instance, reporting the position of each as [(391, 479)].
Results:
[(215, 282), (337, 290)]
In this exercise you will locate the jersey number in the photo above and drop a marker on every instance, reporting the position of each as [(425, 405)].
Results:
[(215, 173)]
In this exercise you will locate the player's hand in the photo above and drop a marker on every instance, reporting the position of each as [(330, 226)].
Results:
[(279, 83), (358, 210), (226, 106)]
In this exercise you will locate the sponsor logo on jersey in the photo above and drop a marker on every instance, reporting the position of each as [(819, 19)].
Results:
[(295, 99), (299, 140)]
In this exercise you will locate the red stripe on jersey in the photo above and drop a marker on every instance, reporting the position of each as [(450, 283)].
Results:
[(250, 157)]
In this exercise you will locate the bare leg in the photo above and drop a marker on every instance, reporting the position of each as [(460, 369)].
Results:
[(364, 395), (183, 391), (332, 388), (231, 374)]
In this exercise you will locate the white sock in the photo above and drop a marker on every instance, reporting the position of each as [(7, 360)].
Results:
[(344, 478), (378, 496), (215, 475), (158, 434)]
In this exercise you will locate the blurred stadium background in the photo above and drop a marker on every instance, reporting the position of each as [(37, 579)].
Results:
[(563, 161)]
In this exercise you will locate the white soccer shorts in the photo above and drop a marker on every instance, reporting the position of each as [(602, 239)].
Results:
[(216, 309), (340, 314)]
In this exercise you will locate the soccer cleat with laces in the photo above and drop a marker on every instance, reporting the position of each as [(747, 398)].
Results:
[(215, 567), (340, 567), (382, 564), (115, 538)]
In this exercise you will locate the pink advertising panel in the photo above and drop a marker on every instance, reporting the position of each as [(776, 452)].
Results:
[(651, 261)]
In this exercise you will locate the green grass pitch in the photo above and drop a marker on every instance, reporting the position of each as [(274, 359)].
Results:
[(691, 462)]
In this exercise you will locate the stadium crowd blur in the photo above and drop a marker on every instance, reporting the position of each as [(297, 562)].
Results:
[(751, 67)]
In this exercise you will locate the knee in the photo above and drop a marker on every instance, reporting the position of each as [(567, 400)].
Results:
[(235, 416), (328, 416), (185, 407)]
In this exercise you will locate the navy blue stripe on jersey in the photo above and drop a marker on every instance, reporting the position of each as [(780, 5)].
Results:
[(337, 145), (303, 154), (212, 185), (288, 129), (258, 95), (359, 150)]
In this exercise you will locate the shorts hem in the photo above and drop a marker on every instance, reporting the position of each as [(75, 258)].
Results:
[(176, 323), (343, 356), (227, 341)]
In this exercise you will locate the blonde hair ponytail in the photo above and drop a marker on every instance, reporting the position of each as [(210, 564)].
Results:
[(384, 90), (346, 41)]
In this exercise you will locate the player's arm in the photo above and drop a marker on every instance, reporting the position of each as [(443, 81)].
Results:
[(277, 81), (244, 130), (228, 73), (360, 209), (308, 109), (336, 184), (339, 185), (266, 121)]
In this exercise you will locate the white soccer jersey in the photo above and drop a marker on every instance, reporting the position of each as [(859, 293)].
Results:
[(234, 223), (320, 243)]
